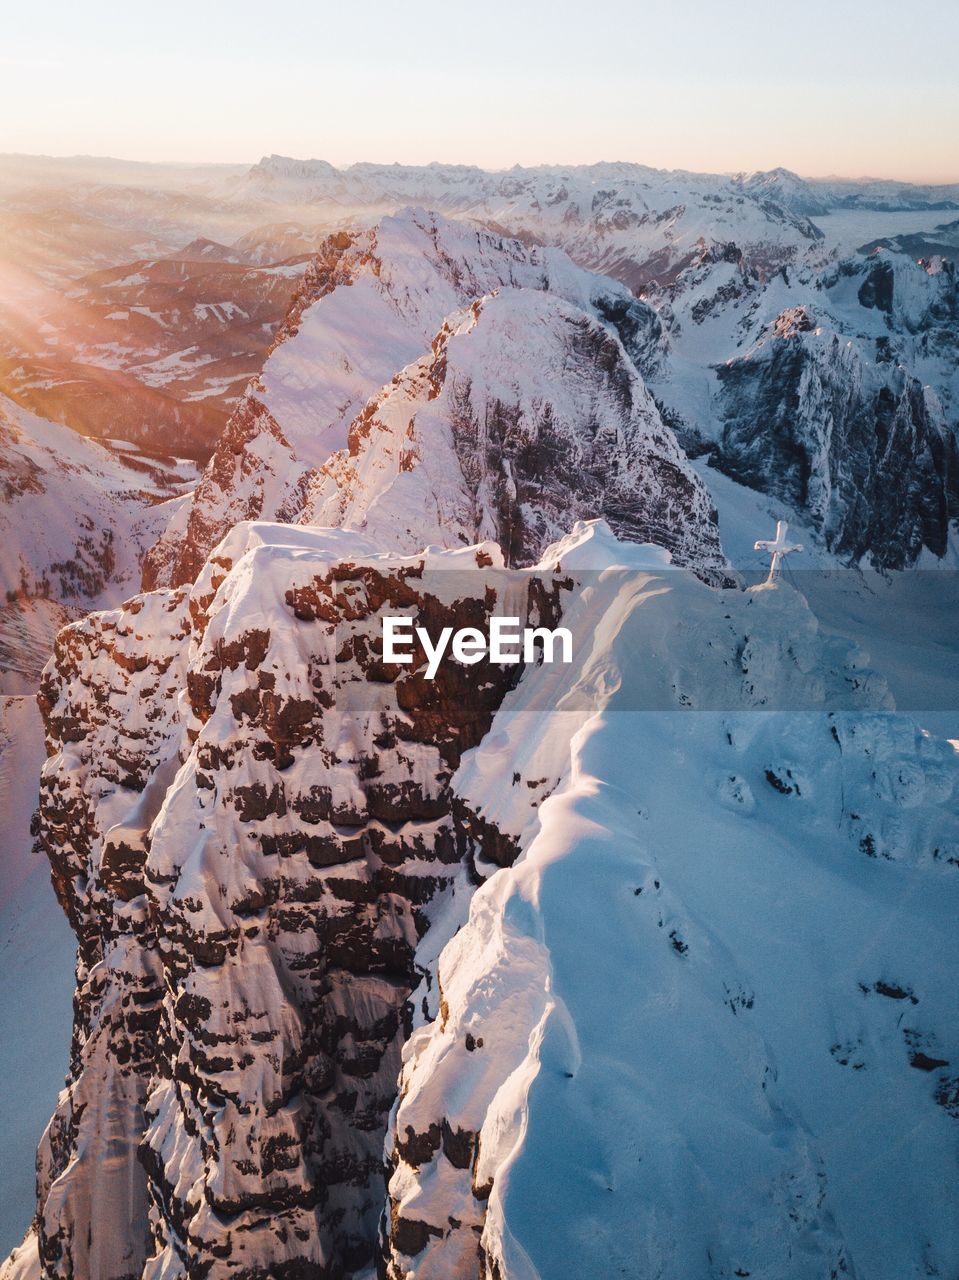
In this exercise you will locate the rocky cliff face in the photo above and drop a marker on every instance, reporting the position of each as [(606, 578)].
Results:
[(371, 305), (832, 387), (861, 450), (252, 830), (109, 701)]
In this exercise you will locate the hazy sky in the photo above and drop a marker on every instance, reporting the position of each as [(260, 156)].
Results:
[(848, 86)]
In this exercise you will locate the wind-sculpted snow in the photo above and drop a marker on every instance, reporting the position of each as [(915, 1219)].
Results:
[(702, 1026), (371, 304)]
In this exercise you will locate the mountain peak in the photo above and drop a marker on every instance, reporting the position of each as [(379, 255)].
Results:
[(372, 304), (469, 443)]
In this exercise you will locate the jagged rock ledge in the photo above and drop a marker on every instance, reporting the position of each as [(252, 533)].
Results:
[(251, 826)]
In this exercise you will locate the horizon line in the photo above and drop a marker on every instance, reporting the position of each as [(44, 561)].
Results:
[(460, 164)]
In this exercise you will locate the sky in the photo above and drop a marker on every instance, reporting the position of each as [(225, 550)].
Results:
[(845, 87)]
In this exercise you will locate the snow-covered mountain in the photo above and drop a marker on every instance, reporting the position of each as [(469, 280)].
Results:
[(470, 443), (786, 189), (76, 518), (638, 224), (641, 964), (285, 180), (139, 299), (339, 970), (704, 938), (376, 303), (884, 195), (833, 385), (816, 197)]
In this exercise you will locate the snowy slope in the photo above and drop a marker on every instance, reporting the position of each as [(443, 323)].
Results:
[(876, 610), (711, 1037), (75, 521)]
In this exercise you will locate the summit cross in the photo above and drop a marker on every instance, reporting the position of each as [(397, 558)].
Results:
[(777, 549)]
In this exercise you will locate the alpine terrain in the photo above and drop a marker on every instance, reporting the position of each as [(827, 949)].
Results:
[(637, 960)]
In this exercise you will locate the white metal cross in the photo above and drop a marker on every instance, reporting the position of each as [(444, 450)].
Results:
[(778, 548)]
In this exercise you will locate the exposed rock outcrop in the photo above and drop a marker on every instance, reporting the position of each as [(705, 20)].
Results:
[(252, 828), (860, 449)]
